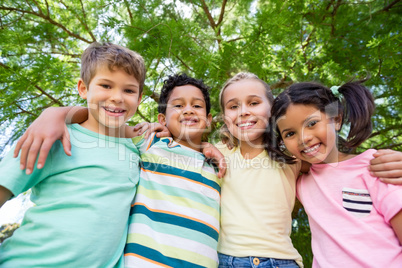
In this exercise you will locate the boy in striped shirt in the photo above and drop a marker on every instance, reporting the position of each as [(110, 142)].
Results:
[(174, 220)]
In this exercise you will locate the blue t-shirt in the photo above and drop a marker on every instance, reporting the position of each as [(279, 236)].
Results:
[(82, 204)]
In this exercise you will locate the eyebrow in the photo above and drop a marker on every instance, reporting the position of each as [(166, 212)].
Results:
[(110, 81), (287, 129), (181, 98), (310, 117), (305, 120), (252, 96)]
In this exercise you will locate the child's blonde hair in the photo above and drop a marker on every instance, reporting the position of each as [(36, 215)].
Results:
[(225, 135), (114, 57)]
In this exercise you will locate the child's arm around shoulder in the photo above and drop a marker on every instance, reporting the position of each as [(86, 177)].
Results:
[(5, 194), (387, 199), (396, 223), (147, 128), (44, 131), (213, 153), (387, 165)]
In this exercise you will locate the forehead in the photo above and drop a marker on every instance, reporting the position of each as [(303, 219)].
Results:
[(117, 75), (243, 89), (186, 92), (298, 113)]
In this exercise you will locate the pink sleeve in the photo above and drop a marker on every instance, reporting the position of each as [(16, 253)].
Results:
[(387, 198)]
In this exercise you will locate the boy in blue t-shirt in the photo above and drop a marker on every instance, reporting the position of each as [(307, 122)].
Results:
[(82, 202)]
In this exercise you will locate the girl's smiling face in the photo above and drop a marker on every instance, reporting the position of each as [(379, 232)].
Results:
[(309, 134), (246, 110)]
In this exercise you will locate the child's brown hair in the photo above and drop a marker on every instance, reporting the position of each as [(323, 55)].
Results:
[(114, 57)]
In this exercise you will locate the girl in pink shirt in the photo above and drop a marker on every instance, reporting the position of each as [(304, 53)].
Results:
[(355, 219)]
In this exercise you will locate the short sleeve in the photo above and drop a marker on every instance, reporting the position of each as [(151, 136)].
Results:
[(143, 144), (15, 179), (387, 198), (223, 148)]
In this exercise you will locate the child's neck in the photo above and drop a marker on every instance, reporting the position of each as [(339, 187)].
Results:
[(249, 150), (100, 129), (337, 156), (195, 145)]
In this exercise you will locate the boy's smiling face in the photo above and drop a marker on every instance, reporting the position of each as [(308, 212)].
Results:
[(186, 116), (113, 98)]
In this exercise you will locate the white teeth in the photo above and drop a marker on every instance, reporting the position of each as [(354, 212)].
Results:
[(246, 124), (311, 149), (113, 110), (188, 121)]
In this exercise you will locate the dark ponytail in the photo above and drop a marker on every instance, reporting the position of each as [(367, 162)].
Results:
[(358, 108)]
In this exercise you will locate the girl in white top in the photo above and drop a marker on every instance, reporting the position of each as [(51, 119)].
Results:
[(258, 194)]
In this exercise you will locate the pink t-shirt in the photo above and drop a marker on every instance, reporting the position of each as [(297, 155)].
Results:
[(349, 213)]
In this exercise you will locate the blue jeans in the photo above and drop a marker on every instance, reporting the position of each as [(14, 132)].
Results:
[(226, 261)]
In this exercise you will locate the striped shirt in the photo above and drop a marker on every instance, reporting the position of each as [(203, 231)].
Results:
[(174, 218)]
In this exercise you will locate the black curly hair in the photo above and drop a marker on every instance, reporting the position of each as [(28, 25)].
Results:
[(177, 80)]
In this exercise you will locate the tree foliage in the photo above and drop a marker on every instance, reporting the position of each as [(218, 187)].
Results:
[(282, 41)]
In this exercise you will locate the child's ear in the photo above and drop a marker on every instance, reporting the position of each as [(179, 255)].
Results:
[(82, 89), (338, 122), (162, 119), (209, 120)]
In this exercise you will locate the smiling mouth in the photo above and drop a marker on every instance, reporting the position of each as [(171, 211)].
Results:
[(189, 122), (246, 124), (311, 150), (114, 110)]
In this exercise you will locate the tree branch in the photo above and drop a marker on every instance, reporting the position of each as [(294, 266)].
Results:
[(85, 22), (387, 8), (37, 5), (209, 16), (391, 146), (383, 131), (47, 8), (49, 96), (47, 18), (25, 111), (129, 11), (142, 116), (182, 62), (222, 12)]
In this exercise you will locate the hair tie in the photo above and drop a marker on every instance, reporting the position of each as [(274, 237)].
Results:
[(335, 91)]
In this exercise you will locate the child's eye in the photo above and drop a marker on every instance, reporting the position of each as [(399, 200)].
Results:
[(197, 106), (129, 91), (177, 106), (289, 134), (311, 123), (232, 107), (105, 86), (254, 103)]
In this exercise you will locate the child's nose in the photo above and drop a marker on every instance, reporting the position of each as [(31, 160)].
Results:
[(305, 137), (117, 95), (188, 109), (244, 110)]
